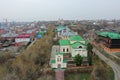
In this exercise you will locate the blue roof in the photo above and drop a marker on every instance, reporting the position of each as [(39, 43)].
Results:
[(39, 36), (70, 33)]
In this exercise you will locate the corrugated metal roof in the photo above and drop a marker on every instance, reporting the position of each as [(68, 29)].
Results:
[(69, 33), (111, 35), (23, 35), (64, 42), (57, 53), (60, 27), (77, 44), (53, 61), (76, 38)]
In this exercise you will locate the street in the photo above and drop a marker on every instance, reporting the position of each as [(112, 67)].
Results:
[(113, 65)]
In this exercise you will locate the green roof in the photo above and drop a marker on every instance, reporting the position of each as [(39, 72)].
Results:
[(76, 45), (64, 42), (54, 68), (42, 32), (58, 68), (59, 53), (76, 38), (111, 35), (53, 61), (64, 61), (64, 68), (60, 27)]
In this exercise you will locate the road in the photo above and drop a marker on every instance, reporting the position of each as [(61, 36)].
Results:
[(31, 43), (114, 66)]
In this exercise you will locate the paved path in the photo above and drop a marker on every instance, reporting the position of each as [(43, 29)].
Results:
[(59, 74), (114, 66), (31, 43), (115, 56)]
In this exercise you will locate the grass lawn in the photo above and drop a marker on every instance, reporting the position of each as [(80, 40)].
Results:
[(78, 76)]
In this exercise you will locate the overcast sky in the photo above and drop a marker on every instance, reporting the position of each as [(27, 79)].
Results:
[(33, 10)]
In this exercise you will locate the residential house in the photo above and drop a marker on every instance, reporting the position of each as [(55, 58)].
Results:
[(23, 38), (109, 39), (3, 31), (43, 28)]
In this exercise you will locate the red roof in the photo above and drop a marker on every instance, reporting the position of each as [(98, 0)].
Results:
[(2, 31), (35, 29), (24, 36)]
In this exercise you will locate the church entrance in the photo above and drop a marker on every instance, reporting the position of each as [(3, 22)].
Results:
[(59, 65)]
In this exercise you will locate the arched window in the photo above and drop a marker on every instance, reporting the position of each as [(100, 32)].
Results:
[(67, 49), (80, 46), (59, 65), (63, 50), (59, 59)]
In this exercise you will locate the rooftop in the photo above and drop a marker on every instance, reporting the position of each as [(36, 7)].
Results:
[(77, 44), (64, 42), (111, 35), (70, 33), (23, 36), (76, 38), (53, 61), (42, 32), (57, 53), (64, 61), (60, 27)]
